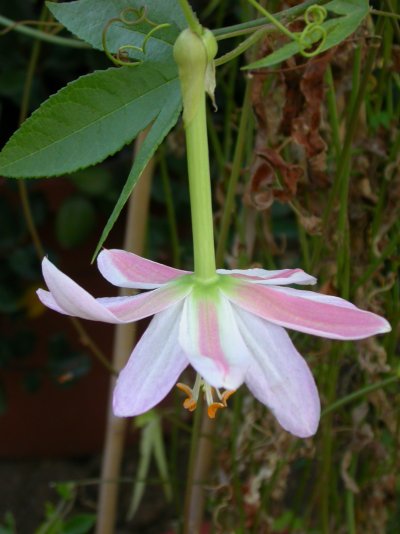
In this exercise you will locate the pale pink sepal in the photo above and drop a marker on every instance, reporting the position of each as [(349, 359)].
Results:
[(280, 277), (210, 338), (153, 368), (125, 269), (69, 298), (309, 312), (279, 377)]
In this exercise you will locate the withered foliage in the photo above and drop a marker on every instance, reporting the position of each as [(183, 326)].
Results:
[(290, 150), (272, 177), (294, 163)]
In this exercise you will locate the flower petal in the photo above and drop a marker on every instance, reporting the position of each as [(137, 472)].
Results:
[(279, 377), (125, 269), (210, 338), (280, 277), (69, 298), (153, 368), (307, 311)]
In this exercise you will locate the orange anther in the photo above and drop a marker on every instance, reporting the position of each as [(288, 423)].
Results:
[(212, 409), (189, 403), (226, 395)]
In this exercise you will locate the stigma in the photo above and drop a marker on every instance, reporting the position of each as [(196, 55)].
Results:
[(200, 385)]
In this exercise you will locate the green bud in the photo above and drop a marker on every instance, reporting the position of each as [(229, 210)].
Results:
[(210, 44), (190, 55)]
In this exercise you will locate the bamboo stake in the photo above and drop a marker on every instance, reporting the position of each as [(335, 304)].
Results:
[(125, 335)]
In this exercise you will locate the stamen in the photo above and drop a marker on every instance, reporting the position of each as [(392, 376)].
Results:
[(193, 395), (190, 403), (208, 393), (213, 408), (226, 395)]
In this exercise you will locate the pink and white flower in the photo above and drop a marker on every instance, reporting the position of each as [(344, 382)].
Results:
[(231, 330)]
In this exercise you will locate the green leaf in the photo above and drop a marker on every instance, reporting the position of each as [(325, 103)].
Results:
[(151, 442), (88, 120), (161, 459), (87, 19), (146, 448), (80, 524), (349, 15), (162, 125), (75, 221), (66, 490)]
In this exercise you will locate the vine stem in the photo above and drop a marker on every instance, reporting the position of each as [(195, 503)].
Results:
[(135, 232), (271, 19), (41, 35), (234, 176), (360, 393), (252, 25)]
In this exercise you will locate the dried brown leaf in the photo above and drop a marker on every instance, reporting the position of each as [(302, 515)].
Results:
[(272, 178)]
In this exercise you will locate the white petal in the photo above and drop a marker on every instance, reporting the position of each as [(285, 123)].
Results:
[(153, 368), (67, 297), (211, 340), (278, 375)]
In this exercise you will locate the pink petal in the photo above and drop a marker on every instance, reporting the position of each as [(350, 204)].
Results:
[(133, 308), (125, 269), (153, 368), (281, 277), (279, 377), (211, 341), (306, 311), (69, 298)]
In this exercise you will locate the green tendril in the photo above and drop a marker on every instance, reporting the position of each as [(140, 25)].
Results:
[(121, 58), (140, 15), (313, 32), (315, 14)]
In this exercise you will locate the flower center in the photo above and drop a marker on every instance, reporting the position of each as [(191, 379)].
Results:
[(190, 403)]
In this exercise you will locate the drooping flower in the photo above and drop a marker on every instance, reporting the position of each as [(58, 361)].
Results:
[(231, 330)]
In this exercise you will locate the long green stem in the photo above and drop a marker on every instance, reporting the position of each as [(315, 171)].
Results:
[(233, 179), (332, 110), (242, 47), (169, 203), (192, 54), (200, 194), (349, 498), (358, 394)]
